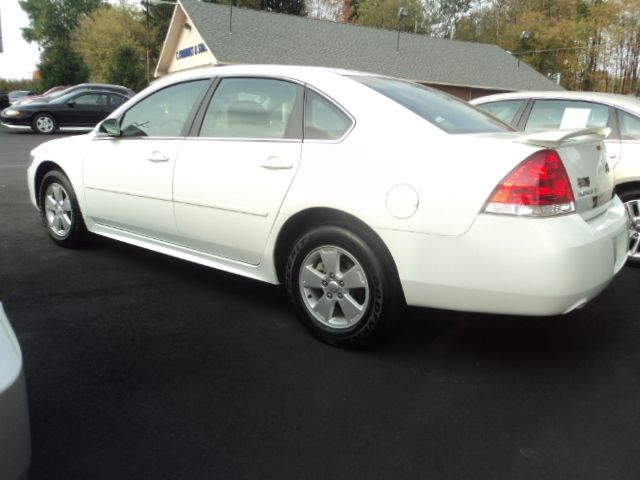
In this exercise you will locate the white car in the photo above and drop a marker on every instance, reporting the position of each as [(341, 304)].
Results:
[(15, 436), (539, 111), (358, 192)]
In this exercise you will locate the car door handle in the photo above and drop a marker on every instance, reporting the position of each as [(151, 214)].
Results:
[(158, 157), (276, 163)]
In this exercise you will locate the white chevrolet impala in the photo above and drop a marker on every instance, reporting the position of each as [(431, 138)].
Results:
[(360, 193)]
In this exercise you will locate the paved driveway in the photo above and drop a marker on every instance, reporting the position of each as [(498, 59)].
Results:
[(141, 366)]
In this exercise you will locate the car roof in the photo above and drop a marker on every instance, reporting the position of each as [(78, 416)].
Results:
[(625, 102), (295, 71)]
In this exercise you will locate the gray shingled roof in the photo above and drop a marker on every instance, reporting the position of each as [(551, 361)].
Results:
[(272, 38)]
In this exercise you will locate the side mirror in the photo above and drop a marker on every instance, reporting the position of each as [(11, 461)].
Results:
[(110, 127), (71, 104)]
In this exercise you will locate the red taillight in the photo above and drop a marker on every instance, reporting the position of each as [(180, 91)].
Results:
[(539, 186)]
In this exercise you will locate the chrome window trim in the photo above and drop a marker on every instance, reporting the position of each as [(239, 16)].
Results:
[(243, 139)]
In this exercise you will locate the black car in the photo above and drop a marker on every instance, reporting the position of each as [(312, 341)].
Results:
[(78, 109), (4, 100), (127, 92)]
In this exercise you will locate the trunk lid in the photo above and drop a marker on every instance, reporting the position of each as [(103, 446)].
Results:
[(584, 158)]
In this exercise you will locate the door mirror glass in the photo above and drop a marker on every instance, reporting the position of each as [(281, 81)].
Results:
[(71, 104), (110, 127)]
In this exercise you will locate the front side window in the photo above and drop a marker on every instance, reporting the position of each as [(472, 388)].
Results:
[(566, 114), (505, 110), (446, 112), (251, 108), (629, 126), (322, 119), (163, 113)]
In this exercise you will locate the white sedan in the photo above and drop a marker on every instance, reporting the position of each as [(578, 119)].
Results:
[(538, 111), (360, 193)]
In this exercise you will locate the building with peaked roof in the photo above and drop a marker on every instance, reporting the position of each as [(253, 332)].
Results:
[(213, 34)]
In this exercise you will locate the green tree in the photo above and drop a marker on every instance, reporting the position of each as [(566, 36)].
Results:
[(61, 65), (126, 69), (384, 14), (52, 21), (99, 34), (590, 44), (447, 13), (293, 7), (159, 18)]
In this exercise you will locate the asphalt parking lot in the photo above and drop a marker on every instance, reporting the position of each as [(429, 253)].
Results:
[(146, 367)]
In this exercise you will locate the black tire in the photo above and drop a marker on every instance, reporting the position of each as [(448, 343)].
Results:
[(631, 198), (44, 123), (60, 212), (370, 311)]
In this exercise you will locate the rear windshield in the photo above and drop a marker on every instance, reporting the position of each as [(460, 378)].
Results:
[(440, 109)]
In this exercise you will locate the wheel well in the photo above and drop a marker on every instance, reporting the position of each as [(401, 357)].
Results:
[(42, 113), (306, 219), (43, 169), (623, 187)]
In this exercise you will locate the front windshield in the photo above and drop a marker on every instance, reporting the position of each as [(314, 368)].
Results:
[(58, 94), (63, 97), (446, 112)]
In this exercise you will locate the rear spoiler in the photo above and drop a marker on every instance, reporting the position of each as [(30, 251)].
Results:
[(554, 138)]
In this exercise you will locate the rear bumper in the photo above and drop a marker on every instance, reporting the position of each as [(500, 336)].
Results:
[(512, 265), (15, 437)]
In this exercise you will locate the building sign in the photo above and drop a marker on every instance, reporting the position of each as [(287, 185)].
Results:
[(191, 51)]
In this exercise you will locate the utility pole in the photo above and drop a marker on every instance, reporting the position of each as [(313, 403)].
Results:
[(148, 42), (402, 13)]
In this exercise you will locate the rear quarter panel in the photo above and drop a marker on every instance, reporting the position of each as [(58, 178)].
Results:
[(452, 175)]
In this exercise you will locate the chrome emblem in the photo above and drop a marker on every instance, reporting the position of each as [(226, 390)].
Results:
[(584, 182)]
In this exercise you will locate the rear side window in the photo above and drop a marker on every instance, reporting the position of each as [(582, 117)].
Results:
[(566, 114), (251, 108), (163, 113), (629, 126), (438, 108), (322, 119), (505, 110)]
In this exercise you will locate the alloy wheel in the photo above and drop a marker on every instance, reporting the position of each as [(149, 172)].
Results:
[(44, 124), (334, 287), (633, 209), (58, 210)]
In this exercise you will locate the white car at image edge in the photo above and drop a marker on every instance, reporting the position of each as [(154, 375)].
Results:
[(360, 193), (15, 436), (538, 111)]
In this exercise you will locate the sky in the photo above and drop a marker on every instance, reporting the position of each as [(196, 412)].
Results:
[(18, 59)]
